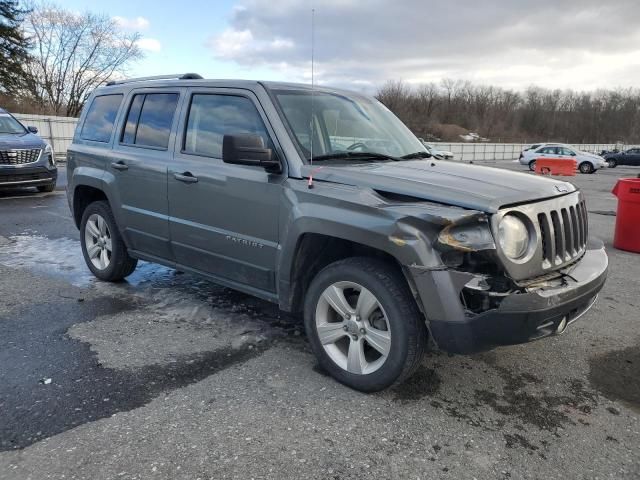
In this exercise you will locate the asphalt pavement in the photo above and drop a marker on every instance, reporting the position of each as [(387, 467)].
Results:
[(168, 376)]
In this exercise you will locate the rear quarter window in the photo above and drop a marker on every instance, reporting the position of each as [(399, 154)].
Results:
[(101, 117)]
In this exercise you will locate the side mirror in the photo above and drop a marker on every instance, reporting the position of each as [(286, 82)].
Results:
[(32, 129), (249, 149)]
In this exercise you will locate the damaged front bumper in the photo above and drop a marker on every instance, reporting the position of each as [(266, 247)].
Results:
[(529, 314)]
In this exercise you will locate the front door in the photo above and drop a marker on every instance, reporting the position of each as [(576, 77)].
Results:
[(223, 218), (141, 154), (633, 157)]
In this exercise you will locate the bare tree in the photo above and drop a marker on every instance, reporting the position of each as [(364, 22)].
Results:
[(73, 54), (455, 107)]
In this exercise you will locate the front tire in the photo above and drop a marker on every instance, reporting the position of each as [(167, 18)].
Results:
[(363, 324), (612, 163), (586, 167), (102, 246), (532, 165)]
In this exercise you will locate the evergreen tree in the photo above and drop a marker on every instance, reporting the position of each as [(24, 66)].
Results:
[(14, 47)]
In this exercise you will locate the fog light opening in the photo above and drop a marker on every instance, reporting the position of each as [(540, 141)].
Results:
[(562, 326)]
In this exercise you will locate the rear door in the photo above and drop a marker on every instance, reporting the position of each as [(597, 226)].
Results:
[(224, 218), (546, 152), (141, 155)]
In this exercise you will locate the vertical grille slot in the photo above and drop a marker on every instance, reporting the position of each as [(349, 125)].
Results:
[(585, 221), (546, 234), (577, 243), (568, 233), (580, 226), (558, 231)]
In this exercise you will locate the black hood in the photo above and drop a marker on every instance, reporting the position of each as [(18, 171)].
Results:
[(468, 186), (26, 140)]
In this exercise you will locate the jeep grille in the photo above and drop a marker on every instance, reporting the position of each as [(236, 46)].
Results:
[(563, 233), (559, 232)]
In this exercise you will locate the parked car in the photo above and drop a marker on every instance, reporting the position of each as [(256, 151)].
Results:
[(378, 249), (437, 153), (534, 146), (25, 159), (587, 162), (630, 157)]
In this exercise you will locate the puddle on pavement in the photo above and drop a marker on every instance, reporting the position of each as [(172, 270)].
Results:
[(425, 382), (60, 257), (169, 295), (616, 375), (32, 411), (155, 303)]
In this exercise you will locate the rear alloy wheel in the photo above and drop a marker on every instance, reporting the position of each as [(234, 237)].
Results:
[(104, 251), (532, 165), (97, 239), (363, 324)]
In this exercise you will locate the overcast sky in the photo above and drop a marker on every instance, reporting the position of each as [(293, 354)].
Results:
[(579, 44)]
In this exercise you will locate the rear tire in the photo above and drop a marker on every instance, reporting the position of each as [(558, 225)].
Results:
[(586, 167), (102, 246), (47, 188), (379, 314), (532, 165)]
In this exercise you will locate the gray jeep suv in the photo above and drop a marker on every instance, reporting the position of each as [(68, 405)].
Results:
[(322, 201), (25, 159)]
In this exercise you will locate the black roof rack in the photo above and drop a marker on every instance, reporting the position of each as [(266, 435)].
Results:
[(177, 76)]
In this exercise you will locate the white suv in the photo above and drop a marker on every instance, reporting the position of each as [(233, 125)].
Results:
[(587, 162)]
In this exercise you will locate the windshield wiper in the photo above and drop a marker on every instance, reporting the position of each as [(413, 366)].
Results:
[(362, 155), (413, 155)]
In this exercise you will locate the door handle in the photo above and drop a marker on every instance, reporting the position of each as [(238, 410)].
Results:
[(186, 177), (120, 165)]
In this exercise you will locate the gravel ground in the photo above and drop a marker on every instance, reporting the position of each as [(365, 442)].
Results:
[(167, 376)]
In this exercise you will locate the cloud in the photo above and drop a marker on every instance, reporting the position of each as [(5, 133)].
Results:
[(233, 44), (138, 23), (580, 44), (149, 44)]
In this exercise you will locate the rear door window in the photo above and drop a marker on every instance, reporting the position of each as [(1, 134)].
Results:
[(149, 120), (213, 116), (101, 117)]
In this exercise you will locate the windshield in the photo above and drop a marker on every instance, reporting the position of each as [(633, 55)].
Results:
[(343, 123), (8, 124)]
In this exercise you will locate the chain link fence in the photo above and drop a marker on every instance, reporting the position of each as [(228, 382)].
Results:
[(58, 131)]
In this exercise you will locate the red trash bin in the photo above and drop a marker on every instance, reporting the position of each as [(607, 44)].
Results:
[(627, 236)]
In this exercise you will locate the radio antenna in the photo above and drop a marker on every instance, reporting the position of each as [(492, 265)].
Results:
[(313, 15)]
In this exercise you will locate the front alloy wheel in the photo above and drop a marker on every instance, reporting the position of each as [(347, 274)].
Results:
[(364, 324), (353, 328), (586, 167)]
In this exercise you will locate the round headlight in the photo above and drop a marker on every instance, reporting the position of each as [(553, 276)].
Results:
[(513, 237)]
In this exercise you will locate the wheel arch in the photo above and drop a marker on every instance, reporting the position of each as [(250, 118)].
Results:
[(313, 251), (83, 196)]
